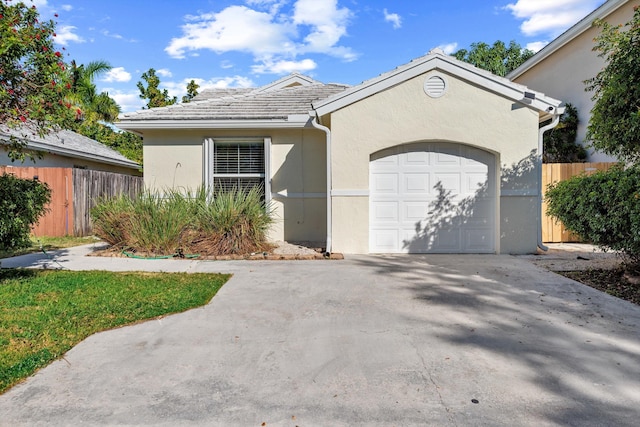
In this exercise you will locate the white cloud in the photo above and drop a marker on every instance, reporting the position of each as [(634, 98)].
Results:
[(284, 67), (106, 33), (536, 46), (66, 34), (118, 74), (273, 37), (327, 25), (394, 18), (550, 17), (448, 48), (66, 7), (128, 101), (164, 72), (226, 64), (236, 28)]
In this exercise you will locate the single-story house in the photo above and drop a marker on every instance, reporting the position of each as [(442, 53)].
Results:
[(562, 66), (435, 156), (67, 149)]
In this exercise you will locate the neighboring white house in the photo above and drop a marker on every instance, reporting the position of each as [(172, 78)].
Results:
[(435, 156), (68, 149), (561, 67)]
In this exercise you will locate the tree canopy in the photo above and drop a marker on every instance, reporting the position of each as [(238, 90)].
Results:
[(499, 58), (34, 80), (614, 127), (192, 91), (152, 93)]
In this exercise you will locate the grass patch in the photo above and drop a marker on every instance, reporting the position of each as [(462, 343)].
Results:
[(44, 313), (49, 244)]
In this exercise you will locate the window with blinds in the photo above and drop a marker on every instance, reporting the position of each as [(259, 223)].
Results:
[(238, 165)]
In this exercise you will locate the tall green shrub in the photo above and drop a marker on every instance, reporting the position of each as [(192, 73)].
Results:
[(603, 208), (22, 203)]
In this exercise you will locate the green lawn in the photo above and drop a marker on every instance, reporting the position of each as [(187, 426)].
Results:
[(44, 313)]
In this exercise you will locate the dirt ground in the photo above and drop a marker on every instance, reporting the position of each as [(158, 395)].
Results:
[(593, 267)]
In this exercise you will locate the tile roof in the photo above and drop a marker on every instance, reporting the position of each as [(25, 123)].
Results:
[(220, 93), (242, 105), (71, 144)]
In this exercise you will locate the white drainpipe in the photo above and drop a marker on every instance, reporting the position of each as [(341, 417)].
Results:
[(541, 131), (327, 131)]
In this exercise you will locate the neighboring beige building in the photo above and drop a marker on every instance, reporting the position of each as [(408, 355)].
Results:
[(436, 156), (67, 149), (561, 67)]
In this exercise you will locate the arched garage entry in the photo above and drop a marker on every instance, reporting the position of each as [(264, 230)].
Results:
[(432, 197)]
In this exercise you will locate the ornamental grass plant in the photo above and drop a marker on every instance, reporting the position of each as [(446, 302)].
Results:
[(205, 222)]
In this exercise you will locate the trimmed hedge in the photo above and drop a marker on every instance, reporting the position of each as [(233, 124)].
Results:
[(603, 208)]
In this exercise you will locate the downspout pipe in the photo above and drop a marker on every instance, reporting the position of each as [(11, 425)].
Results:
[(541, 132), (327, 131)]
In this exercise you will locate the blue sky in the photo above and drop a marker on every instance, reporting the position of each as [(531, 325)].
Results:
[(245, 43)]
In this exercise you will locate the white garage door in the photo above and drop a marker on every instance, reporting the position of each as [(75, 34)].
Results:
[(432, 198)]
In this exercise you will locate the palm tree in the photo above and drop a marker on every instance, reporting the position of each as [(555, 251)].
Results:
[(95, 106)]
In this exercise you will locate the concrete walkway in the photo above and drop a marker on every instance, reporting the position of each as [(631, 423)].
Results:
[(371, 340)]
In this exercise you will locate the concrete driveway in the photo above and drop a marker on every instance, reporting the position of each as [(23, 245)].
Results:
[(371, 340)]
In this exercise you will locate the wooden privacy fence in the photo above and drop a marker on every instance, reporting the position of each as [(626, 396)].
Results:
[(73, 193), (554, 231)]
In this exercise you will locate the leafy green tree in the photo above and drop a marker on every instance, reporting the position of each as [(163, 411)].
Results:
[(192, 91), (499, 58), (614, 127), (152, 93), (126, 143), (560, 143), (96, 106), (34, 81)]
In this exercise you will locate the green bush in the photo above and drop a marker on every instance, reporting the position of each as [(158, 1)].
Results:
[(22, 203), (231, 222), (603, 208)]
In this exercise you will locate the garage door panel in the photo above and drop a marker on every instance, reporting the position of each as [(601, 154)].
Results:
[(449, 181), (386, 212), (387, 240), (420, 158), (414, 212), (385, 183), (409, 211), (415, 182), (446, 240)]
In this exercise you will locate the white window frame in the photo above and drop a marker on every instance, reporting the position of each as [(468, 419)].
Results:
[(208, 148)]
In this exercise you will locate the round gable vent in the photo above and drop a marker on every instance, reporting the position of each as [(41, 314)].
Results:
[(435, 86)]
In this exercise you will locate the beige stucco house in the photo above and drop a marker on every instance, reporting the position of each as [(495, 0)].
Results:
[(561, 67), (435, 156)]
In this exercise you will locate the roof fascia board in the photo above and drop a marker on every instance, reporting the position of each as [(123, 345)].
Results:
[(411, 70), (133, 125), (583, 25), (39, 146)]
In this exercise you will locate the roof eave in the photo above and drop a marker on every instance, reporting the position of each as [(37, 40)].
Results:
[(38, 146), (298, 121), (583, 25)]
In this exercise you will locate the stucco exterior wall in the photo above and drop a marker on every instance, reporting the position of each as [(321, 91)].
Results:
[(464, 114), (174, 159), (59, 161), (562, 74)]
